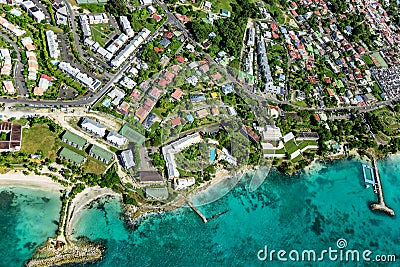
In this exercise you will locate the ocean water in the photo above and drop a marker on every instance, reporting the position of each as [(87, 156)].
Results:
[(27, 218), (307, 211)]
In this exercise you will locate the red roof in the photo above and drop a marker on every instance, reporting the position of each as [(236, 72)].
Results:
[(249, 132), (176, 69), (327, 80), (330, 92), (317, 117), (44, 76), (148, 104), (180, 59), (182, 18), (158, 49), (176, 122), (168, 35), (156, 17), (162, 82), (216, 76), (312, 79), (169, 76), (135, 94), (177, 94)]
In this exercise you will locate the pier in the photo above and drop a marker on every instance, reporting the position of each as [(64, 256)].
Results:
[(381, 205), (197, 211)]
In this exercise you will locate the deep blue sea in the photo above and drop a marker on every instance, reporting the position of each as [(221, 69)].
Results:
[(307, 211)]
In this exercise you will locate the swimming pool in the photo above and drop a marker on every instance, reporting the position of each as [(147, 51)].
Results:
[(107, 102), (212, 155)]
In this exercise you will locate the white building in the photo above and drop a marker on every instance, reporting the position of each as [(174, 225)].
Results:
[(170, 150), (83, 78), (93, 127), (117, 43), (183, 183), (127, 159), (52, 44), (116, 139), (146, 2), (130, 48), (33, 11), (126, 26)]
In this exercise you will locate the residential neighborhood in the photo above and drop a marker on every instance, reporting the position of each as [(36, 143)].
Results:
[(157, 100)]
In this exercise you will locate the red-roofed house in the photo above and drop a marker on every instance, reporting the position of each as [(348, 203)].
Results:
[(330, 92), (182, 18), (317, 117), (177, 94), (162, 82), (205, 68), (176, 69), (180, 59), (148, 104), (141, 114), (156, 17), (123, 108), (175, 122), (216, 76), (169, 76), (155, 93), (135, 94)]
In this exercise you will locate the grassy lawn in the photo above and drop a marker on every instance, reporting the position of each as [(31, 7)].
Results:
[(39, 137), (218, 5), (100, 32), (389, 121), (291, 146), (303, 144), (94, 8), (94, 166), (302, 104), (54, 28), (297, 159)]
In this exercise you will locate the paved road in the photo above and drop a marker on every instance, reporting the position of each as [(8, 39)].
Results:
[(91, 99)]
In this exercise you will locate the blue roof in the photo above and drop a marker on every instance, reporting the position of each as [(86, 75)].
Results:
[(165, 42), (283, 29), (227, 89), (197, 98), (190, 118), (359, 98)]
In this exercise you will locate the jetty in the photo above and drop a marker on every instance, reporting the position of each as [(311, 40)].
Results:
[(381, 205), (201, 215)]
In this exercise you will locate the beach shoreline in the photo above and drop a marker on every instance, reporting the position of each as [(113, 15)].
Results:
[(18, 178)]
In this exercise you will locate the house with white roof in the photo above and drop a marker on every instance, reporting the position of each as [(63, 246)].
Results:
[(127, 159), (116, 139), (52, 45), (126, 26), (93, 127)]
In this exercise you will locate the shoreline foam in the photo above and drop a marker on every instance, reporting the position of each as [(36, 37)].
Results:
[(17, 178)]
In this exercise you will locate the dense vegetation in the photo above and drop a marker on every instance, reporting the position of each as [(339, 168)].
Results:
[(227, 30)]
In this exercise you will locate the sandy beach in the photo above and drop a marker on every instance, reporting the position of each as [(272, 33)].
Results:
[(17, 178), (87, 196)]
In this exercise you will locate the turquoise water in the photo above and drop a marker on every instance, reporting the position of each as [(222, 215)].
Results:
[(27, 219), (307, 211), (310, 210), (212, 155)]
